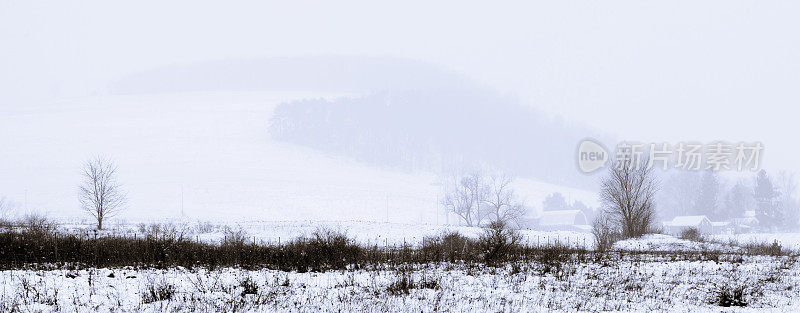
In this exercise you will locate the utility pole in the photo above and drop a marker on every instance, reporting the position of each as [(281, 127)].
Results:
[(439, 186), (182, 213)]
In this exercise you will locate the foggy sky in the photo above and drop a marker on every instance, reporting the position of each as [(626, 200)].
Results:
[(643, 70)]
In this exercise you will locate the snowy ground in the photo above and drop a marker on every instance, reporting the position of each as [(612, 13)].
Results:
[(364, 232), (787, 240), (769, 284), (611, 282), (667, 243)]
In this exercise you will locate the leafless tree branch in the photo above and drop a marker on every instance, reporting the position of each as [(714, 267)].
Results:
[(99, 192), (628, 195)]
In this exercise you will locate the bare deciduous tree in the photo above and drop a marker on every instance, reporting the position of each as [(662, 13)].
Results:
[(786, 183), (464, 196), (502, 203), (628, 195), (100, 194), (605, 231), (475, 198)]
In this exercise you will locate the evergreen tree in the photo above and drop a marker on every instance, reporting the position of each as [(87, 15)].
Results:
[(707, 197), (737, 200), (679, 194), (767, 211), (555, 202)]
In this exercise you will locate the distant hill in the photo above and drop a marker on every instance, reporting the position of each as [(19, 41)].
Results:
[(409, 114), (313, 73), (438, 130)]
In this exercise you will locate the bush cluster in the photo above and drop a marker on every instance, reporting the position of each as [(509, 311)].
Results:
[(692, 234), (324, 250)]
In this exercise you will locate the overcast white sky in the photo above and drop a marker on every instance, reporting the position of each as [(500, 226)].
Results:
[(643, 70)]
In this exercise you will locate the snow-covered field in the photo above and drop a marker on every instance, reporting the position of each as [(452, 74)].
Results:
[(667, 243), (208, 156), (641, 284), (787, 240), (383, 233), (364, 232), (215, 170)]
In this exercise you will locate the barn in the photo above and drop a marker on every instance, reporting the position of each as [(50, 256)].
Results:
[(570, 220)]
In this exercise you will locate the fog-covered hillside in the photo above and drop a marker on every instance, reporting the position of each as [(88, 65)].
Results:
[(299, 73), (443, 130), (400, 114)]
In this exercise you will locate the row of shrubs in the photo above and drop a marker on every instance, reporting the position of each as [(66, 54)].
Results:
[(319, 253), (323, 250)]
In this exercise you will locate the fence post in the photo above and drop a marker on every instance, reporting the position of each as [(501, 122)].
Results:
[(404, 249)]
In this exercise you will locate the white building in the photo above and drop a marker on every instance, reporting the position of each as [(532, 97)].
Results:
[(747, 224), (680, 223)]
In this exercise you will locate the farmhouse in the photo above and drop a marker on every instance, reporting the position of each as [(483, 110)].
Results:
[(722, 228), (680, 223), (572, 220)]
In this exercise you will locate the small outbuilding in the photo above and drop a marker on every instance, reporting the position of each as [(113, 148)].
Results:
[(745, 224), (722, 228)]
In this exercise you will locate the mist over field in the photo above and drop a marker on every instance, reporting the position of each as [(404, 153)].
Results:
[(252, 139), (522, 156)]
